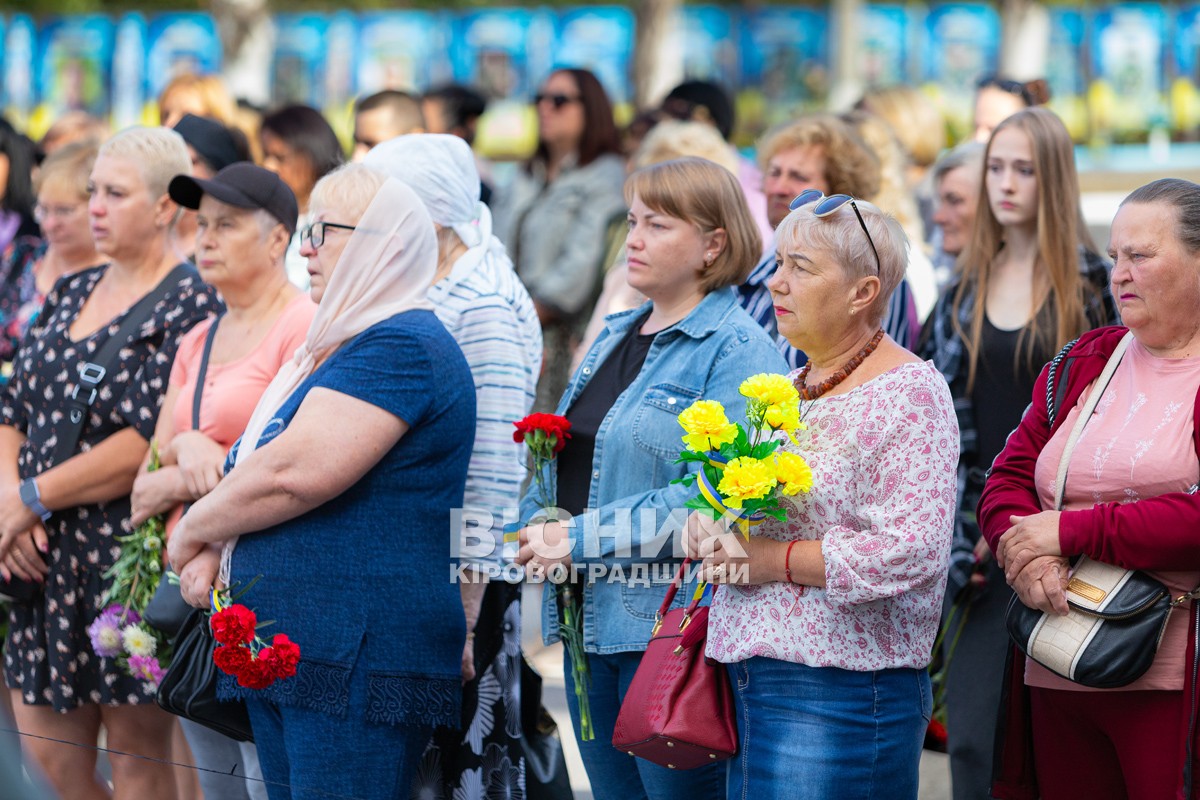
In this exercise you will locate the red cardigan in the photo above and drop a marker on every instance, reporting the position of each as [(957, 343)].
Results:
[(1155, 533)]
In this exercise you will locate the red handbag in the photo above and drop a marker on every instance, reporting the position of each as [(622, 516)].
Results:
[(678, 712)]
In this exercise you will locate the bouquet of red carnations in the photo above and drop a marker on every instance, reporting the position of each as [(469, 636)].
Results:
[(240, 651)]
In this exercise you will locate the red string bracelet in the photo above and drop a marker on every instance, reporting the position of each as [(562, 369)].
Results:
[(787, 560)]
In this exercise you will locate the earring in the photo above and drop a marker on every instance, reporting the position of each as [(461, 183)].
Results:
[(708, 258), (853, 311)]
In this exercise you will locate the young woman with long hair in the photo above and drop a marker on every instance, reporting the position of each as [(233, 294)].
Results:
[(1030, 282)]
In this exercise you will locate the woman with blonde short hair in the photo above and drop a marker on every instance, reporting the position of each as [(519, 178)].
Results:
[(60, 516)]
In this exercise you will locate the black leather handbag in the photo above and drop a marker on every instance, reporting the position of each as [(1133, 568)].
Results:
[(189, 689)]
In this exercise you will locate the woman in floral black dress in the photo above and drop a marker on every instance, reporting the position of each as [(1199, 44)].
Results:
[(60, 688)]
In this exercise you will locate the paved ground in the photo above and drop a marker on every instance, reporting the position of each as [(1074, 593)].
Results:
[(935, 779)]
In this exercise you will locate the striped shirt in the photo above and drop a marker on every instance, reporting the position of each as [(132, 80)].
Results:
[(900, 321), (487, 310)]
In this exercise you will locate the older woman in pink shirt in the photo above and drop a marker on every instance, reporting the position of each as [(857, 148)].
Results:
[(1129, 500), (828, 629), (245, 218)]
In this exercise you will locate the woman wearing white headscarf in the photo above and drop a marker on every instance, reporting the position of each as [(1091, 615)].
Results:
[(341, 493), (481, 301)]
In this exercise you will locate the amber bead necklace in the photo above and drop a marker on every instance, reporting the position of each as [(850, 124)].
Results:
[(813, 392)]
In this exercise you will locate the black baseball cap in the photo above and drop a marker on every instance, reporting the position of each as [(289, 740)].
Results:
[(243, 185), (211, 140)]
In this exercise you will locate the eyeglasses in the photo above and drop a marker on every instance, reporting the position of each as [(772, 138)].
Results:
[(315, 233), (556, 100), (828, 205), (41, 213)]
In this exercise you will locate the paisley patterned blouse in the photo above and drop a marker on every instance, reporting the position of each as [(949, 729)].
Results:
[(883, 457)]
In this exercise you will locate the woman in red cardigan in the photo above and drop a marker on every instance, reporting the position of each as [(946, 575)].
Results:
[(1129, 500)]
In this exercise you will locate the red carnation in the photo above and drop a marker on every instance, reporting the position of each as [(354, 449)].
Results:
[(231, 658), (552, 428), (255, 675), (288, 654), (234, 625)]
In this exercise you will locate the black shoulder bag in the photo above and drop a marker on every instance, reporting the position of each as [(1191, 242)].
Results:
[(87, 389), (166, 610)]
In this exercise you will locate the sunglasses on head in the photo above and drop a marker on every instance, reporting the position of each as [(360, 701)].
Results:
[(556, 100), (828, 205)]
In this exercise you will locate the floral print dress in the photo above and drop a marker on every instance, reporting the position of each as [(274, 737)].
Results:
[(48, 656)]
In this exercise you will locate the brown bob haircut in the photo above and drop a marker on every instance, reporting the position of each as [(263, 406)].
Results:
[(706, 195)]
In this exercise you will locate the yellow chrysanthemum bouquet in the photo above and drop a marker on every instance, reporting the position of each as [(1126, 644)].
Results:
[(741, 472)]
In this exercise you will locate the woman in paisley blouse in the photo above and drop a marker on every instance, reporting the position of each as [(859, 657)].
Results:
[(828, 629), (59, 517)]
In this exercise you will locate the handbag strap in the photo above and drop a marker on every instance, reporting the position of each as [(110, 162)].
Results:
[(202, 372), (1085, 414), (93, 372)]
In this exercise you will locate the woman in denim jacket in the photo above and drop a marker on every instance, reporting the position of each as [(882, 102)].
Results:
[(691, 238)]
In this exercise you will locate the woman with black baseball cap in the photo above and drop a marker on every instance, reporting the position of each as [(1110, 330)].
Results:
[(245, 216)]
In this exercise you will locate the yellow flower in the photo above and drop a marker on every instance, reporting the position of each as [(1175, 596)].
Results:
[(784, 418), (770, 390), (707, 426), (745, 479), (793, 472)]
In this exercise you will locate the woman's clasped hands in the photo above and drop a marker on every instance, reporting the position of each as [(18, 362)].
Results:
[(1033, 563)]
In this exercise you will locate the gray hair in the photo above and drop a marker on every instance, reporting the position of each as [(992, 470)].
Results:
[(159, 153), (349, 189), (966, 154), (1183, 196), (840, 235)]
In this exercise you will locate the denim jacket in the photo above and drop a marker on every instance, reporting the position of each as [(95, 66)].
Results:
[(634, 514)]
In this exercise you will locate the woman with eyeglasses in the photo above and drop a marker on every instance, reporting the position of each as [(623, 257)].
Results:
[(66, 246), (1025, 289), (826, 619), (560, 213), (690, 240), (340, 495)]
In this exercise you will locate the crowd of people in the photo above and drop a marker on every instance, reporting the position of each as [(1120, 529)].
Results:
[(327, 347)]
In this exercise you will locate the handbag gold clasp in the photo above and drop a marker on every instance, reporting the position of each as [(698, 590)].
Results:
[(657, 625)]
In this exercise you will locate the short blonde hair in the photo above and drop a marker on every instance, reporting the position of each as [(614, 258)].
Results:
[(349, 189), (850, 165), (69, 166), (708, 196), (674, 139), (159, 153), (841, 236)]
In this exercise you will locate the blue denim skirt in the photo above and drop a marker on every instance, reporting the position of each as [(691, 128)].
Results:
[(811, 733)]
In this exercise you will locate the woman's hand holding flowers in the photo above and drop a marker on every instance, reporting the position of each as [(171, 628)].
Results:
[(181, 547), (154, 493), (542, 546), (726, 556), (199, 577)]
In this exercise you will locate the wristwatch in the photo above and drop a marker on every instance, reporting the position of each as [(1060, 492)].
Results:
[(32, 498)]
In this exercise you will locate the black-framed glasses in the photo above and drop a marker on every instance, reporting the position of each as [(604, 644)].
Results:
[(556, 100), (828, 205), (315, 233)]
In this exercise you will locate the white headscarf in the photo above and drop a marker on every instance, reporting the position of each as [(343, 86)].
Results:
[(441, 169), (386, 269)]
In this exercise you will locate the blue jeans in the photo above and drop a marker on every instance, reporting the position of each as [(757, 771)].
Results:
[(618, 776), (307, 755), (811, 733)]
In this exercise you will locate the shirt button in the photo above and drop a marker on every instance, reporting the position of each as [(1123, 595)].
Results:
[(596, 474), (587, 370), (670, 401)]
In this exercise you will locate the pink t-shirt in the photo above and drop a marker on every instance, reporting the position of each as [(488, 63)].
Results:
[(1137, 444)]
